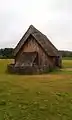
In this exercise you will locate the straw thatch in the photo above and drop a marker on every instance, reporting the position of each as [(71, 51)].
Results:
[(44, 42)]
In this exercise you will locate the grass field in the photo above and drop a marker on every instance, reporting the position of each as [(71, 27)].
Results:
[(36, 97), (67, 63)]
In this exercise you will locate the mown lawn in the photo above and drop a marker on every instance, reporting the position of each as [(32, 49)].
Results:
[(67, 63), (36, 97)]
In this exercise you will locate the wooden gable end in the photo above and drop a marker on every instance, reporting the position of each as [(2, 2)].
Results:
[(31, 45)]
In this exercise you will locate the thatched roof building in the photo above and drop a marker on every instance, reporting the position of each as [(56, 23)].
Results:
[(36, 51)]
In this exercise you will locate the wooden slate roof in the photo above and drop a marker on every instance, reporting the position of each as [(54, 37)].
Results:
[(26, 58), (44, 42)]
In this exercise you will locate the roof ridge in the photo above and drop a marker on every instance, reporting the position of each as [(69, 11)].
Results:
[(40, 37)]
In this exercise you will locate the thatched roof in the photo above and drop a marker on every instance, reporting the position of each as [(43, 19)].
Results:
[(26, 58), (44, 42)]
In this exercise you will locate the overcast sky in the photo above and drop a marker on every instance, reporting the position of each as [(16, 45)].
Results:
[(51, 17)]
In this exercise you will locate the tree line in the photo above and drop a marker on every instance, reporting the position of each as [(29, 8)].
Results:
[(66, 53), (7, 53)]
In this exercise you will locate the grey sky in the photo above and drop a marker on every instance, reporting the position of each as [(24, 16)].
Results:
[(52, 17)]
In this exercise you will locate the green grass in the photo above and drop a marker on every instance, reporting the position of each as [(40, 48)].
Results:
[(36, 97), (67, 63)]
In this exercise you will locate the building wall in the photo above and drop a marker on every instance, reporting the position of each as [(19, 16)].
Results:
[(31, 45)]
